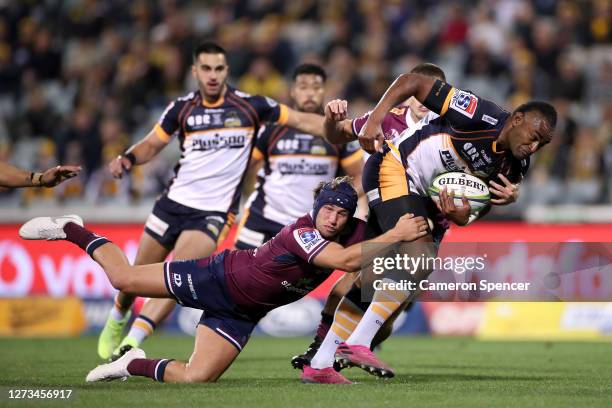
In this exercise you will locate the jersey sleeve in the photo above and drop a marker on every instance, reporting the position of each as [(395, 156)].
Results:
[(268, 110), (350, 153), (359, 123), (168, 122), (260, 151), (305, 243), (462, 109)]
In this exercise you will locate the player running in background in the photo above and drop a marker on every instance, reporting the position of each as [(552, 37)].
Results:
[(472, 135), (234, 288), (291, 163), (12, 177), (216, 127)]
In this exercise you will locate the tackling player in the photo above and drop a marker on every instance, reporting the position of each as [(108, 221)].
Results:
[(292, 162), (216, 127), (472, 135), (234, 288)]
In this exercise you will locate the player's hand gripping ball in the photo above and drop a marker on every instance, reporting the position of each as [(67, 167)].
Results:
[(465, 185)]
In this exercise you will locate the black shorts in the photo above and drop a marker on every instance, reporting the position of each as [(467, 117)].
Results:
[(169, 219), (387, 187), (200, 284), (254, 230)]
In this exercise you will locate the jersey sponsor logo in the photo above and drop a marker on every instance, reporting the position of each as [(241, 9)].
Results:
[(232, 120), (177, 280), (318, 150), (271, 102), (464, 103), (218, 141), (198, 122), (489, 119), (485, 156), (191, 288), (156, 224), (449, 161), (303, 168), (289, 287), (307, 238)]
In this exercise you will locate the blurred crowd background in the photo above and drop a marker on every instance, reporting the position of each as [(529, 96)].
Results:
[(81, 80)]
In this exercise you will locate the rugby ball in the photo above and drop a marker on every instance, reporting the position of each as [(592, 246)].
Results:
[(463, 184)]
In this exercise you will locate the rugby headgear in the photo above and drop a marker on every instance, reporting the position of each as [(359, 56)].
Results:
[(341, 194)]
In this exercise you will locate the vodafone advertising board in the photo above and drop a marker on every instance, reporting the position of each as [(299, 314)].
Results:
[(60, 269)]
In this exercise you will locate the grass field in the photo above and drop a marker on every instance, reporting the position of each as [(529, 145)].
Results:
[(430, 372)]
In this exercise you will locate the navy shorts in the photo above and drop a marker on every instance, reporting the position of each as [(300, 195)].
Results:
[(255, 230), (200, 284), (169, 218)]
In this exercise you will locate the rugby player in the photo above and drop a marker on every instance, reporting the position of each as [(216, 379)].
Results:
[(12, 177), (472, 135), (234, 288), (404, 116), (291, 162), (216, 127)]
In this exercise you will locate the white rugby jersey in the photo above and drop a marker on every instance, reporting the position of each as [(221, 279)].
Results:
[(294, 165), (463, 138), (216, 142)]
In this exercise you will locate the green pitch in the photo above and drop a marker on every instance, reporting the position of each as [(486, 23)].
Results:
[(429, 372)]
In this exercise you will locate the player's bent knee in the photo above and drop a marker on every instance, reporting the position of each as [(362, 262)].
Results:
[(121, 278)]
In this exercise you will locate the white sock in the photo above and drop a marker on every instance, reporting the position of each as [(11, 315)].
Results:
[(325, 356), (366, 329), (381, 309), (116, 313), (141, 329)]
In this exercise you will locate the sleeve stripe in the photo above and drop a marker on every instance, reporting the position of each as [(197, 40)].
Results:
[(257, 154), (353, 127), (447, 102), (161, 133), (283, 116), (353, 158), (318, 250)]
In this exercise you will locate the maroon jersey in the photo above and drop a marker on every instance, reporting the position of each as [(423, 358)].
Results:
[(281, 271), (395, 122)]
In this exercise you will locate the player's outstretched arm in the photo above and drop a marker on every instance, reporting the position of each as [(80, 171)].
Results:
[(306, 122), (405, 86), (140, 153), (11, 176), (337, 126), (350, 259)]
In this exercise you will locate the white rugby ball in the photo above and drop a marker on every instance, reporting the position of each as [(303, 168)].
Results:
[(463, 184)]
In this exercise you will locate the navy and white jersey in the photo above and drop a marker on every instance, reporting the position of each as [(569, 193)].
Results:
[(294, 165), (462, 138), (216, 142)]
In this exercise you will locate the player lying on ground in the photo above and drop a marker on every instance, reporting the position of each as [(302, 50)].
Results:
[(235, 288), (472, 135)]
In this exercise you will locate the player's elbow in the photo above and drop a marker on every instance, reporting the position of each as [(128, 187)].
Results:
[(350, 264)]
